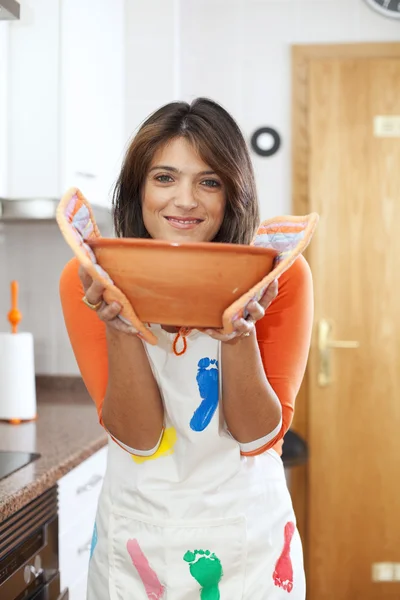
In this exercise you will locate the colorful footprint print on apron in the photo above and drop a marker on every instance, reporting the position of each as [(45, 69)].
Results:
[(283, 573), (154, 589), (208, 383), (206, 569)]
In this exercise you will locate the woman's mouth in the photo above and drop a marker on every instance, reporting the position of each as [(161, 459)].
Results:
[(183, 222)]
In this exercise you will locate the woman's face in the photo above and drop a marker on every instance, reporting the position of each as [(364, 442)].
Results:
[(183, 199)]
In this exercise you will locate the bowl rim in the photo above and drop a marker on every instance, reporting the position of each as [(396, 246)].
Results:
[(164, 244)]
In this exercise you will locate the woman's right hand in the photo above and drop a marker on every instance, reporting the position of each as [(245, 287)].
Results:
[(108, 313)]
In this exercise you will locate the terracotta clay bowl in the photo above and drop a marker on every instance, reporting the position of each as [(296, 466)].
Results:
[(186, 284)]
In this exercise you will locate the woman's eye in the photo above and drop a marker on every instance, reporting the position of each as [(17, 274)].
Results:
[(164, 178), (211, 183)]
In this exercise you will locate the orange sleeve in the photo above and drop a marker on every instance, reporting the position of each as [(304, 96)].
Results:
[(86, 333), (284, 336)]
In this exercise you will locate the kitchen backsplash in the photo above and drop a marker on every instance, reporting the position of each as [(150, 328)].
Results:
[(34, 254)]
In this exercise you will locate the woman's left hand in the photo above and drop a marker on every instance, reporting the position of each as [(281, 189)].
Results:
[(256, 310)]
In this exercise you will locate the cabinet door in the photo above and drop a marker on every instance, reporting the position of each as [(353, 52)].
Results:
[(33, 101), (3, 106), (79, 491), (92, 89)]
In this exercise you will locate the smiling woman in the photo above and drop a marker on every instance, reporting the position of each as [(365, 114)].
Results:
[(194, 504)]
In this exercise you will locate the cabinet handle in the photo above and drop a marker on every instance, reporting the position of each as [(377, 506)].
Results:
[(93, 481), (35, 570), (86, 174), (85, 547)]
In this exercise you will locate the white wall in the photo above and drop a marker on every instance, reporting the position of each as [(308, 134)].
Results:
[(234, 51), (152, 29), (33, 255), (238, 53)]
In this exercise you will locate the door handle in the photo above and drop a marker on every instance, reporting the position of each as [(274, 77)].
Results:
[(325, 346)]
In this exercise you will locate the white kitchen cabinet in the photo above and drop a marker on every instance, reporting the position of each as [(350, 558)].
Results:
[(64, 90), (78, 591), (4, 26), (78, 495), (92, 95), (33, 102)]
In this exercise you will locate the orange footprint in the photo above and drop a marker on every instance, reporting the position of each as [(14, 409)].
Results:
[(166, 447)]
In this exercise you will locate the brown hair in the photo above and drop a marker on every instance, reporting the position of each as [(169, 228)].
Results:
[(220, 143)]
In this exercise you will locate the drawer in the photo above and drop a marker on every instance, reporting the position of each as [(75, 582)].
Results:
[(74, 551), (79, 490)]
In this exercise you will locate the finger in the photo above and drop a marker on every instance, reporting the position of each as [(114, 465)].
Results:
[(213, 333), (94, 294), (255, 310), (243, 326), (108, 312), (85, 278), (122, 327), (221, 337), (270, 294)]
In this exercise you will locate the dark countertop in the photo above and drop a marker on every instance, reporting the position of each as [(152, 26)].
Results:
[(65, 434)]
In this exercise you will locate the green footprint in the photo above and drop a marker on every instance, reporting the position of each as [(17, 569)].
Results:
[(206, 569)]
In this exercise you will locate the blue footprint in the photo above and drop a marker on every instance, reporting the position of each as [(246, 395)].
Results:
[(94, 540), (208, 383)]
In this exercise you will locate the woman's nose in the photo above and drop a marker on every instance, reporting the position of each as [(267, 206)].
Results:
[(185, 198)]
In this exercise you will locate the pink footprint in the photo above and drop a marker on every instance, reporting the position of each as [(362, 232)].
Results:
[(283, 574), (154, 589)]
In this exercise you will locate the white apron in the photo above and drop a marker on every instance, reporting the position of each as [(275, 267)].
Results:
[(195, 521)]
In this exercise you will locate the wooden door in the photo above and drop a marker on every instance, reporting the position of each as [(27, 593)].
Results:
[(353, 421)]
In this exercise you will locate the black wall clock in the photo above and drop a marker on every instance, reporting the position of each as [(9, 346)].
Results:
[(389, 8)]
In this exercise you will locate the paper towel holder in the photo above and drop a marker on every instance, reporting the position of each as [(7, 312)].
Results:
[(17, 370)]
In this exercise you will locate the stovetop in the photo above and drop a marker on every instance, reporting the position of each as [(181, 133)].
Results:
[(11, 461)]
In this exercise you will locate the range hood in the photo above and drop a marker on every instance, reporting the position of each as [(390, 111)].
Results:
[(40, 209), (9, 10)]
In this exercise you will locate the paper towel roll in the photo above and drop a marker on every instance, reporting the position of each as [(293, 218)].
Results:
[(17, 377)]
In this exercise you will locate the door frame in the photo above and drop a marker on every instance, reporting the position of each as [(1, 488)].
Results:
[(302, 55)]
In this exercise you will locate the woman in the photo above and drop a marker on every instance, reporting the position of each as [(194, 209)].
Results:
[(194, 502)]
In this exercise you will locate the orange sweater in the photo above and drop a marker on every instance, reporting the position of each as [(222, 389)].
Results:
[(283, 337)]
